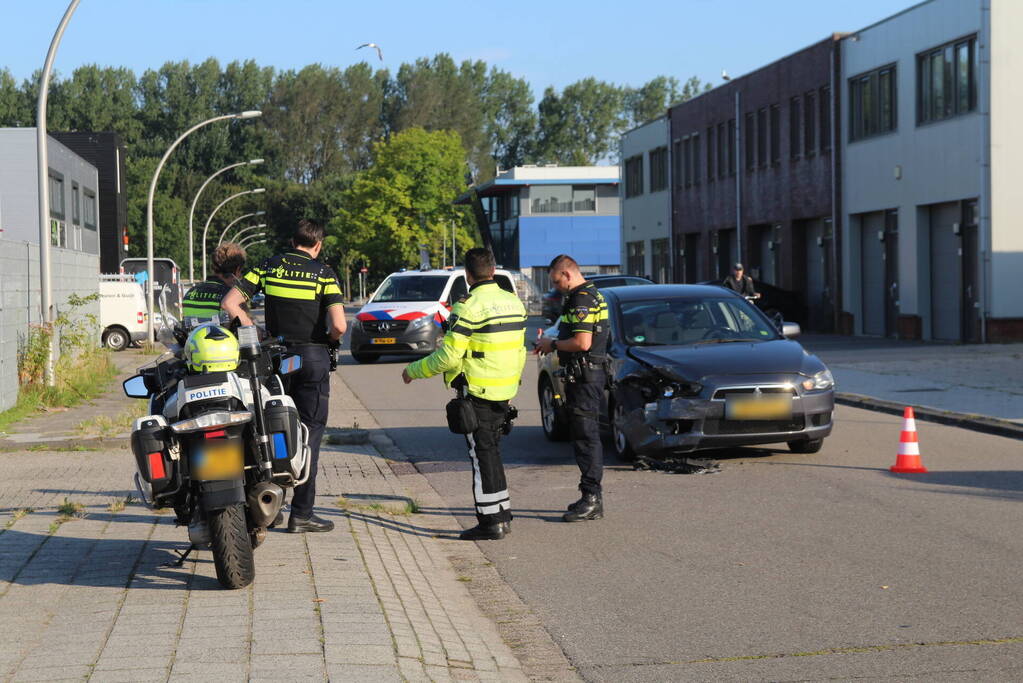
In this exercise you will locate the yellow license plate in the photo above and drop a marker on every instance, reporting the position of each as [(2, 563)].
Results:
[(759, 409), (212, 461), (385, 340)]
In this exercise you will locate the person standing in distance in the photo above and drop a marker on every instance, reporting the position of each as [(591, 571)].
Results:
[(203, 300), (739, 283), (484, 348), (582, 352), (303, 305)]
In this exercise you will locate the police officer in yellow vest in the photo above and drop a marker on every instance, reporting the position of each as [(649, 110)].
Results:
[(485, 345), (203, 300)]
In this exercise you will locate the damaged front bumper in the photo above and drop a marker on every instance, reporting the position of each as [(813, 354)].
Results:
[(681, 425)]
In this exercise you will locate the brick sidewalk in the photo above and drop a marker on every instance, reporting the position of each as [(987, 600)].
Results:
[(376, 600)]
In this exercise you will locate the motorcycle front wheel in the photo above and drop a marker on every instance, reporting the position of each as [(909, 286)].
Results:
[(232, 547)]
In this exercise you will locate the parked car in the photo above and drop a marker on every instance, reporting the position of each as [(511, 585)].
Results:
[(777, 303), (553, 299), (695, 367), (122, 311), (406, 313)]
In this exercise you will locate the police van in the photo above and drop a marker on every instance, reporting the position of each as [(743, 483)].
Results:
[(406, 313)]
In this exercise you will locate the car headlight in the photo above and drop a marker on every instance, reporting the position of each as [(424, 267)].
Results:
[(819, 382), (420, 322), (356, 324)]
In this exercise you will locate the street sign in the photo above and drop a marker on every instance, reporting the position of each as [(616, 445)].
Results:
[(363, 270)]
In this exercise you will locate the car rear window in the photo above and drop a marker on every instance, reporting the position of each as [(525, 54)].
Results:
[(411, 288)]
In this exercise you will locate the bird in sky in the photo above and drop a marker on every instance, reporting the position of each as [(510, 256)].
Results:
[(380, 53)]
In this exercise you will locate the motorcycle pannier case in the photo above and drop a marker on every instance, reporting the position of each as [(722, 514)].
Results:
[(287, 436), (149, 442)]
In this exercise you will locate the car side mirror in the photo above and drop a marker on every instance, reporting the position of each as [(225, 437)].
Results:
[(290, 364), (135, 387), (790, 330)]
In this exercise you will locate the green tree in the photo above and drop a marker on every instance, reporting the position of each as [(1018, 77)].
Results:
[(581, 125), (404, 200), (510, 120), (96, 99), (15, 108)]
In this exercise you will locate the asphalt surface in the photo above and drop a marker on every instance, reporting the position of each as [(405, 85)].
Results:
[(780, 567)]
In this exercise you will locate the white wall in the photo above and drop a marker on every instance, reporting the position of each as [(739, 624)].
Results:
[(939, 162), (647, 216)]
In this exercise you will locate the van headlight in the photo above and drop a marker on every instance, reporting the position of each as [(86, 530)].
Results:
[(420, 322), (819, 382)]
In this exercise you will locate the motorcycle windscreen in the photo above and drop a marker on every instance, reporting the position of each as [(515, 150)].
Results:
[(215, 458)]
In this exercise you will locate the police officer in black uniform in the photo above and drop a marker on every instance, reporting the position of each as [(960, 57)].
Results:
[(303, 305), (582, 353)]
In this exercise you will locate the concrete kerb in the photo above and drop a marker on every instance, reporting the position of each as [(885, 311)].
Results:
[(977, 423)]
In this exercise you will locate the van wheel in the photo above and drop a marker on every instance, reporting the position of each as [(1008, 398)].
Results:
[(116, 339)]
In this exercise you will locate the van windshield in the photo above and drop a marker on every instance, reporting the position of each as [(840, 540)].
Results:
[(411, 288)]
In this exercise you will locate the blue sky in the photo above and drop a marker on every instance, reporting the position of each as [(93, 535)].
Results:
[(554, 42)]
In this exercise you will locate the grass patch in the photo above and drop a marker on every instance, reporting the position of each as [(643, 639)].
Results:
[(78, 379), (18, 514), (61, 448), (67, 511), (465, 579), (405, 507), (412, 507), (106, 426), (119, 504)]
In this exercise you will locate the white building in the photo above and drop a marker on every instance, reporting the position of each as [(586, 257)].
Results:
[(932, 243), (646, 201)]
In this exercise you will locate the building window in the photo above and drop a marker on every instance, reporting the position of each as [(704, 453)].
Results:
[(730, 146), (749, 142), (635, 260), (711, 153), (676, 163), (76, 211), (56, 195), (947, 81), (584, 198), (825, 116), (687, 161), (722, 150), (810, 122), (659, 259), (696, 158), (795, 131), (872, 103), (513, 205), (762, 137), (551, 198), (775, 133), (659, 169), (634, 176)]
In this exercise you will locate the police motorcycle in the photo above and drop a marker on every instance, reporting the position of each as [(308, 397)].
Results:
[(222, 440)]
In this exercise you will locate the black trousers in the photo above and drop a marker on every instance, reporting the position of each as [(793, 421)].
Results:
[(310, 389), (489, 487), (584, 398)]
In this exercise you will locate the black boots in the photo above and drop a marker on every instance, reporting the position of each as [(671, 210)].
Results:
[(486, 532), (590, 506), (297, 525)]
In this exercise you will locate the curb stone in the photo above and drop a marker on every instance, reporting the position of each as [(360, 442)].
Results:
[(977, 423)]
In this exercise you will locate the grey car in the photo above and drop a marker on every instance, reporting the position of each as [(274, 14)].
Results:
[(695, 367)]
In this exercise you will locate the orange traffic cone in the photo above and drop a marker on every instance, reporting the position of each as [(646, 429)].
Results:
[(908, 459)]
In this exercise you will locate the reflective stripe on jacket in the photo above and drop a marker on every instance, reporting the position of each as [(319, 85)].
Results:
[(203, 300), (485, 341)]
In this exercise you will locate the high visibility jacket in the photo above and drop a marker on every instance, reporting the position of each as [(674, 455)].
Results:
[(585, 310), (485, 341), (203, 300)]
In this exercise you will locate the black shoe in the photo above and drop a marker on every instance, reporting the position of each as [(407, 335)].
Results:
[(278, 520), (486, 532), (590, 506), (298, 525)]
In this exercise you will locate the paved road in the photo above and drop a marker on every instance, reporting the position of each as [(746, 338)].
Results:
[(729, 576)]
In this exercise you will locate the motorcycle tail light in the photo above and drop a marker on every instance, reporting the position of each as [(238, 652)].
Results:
[(219, 434), (156, 469)]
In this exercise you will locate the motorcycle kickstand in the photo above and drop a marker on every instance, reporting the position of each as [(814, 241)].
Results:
[(181, 556)]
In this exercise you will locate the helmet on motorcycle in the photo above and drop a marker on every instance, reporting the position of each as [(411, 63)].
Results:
[(211, 348)]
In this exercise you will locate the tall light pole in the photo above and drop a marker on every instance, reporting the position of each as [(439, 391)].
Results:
[(258, 190), (43, 162), (235, 222), (191, 211), (253, 239), (149, 205), (237, 235)]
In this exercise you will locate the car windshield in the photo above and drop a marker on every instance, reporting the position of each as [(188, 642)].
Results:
[(692, 321), (411, 288)]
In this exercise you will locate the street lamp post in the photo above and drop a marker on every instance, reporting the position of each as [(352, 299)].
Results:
[(205, 230), (149, 205), (237, 235), (43, 162), (253, 239), (191, 211), (235, 222)]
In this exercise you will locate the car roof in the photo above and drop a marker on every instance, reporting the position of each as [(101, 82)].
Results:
[(442, 271), (610, 276), (645, 292)]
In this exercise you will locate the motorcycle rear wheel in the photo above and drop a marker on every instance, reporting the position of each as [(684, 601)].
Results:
[(232, 547)]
